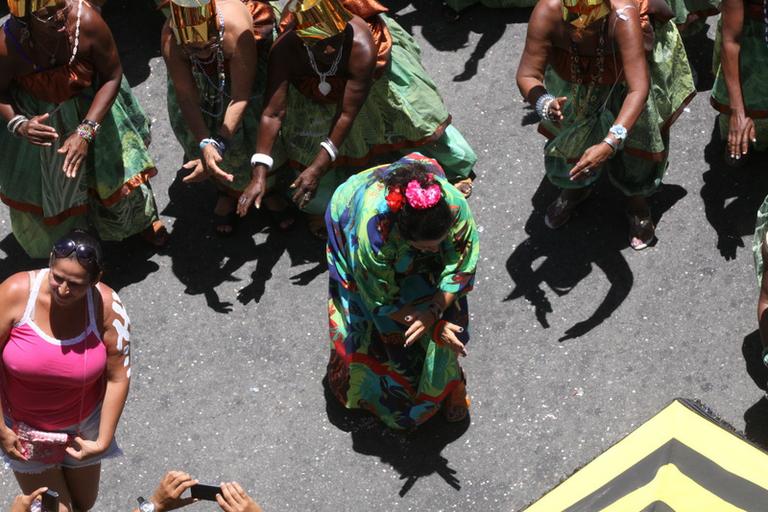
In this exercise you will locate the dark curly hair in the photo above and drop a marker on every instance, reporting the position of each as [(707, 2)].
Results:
[(419, 225)]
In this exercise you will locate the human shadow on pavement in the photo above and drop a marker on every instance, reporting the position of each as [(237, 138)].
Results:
[(203, 260), (561, 259), (450, 36), (732, 196), (136, 29), (16, 260), (413, 455), (699, 49), (756, 426)]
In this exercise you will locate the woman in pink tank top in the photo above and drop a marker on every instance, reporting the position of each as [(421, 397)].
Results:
[(64, 368)]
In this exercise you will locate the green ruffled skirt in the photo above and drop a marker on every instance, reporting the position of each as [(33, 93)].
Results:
[(403, 112), (753, 71), (640, 166), (111, 192)]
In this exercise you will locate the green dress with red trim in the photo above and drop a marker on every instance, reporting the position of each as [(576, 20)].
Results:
[(111, 192), (374, 273)]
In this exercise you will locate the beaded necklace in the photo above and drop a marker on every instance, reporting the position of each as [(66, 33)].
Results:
[(26, 35), (576, 74), (215, 99), (324, 87)]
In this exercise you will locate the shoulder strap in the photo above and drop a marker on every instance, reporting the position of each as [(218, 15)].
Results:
[(92, 327), (34, 288)]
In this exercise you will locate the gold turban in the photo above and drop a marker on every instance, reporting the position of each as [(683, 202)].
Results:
[(21, 8), (581, 13), (193, 21), (319, 19)]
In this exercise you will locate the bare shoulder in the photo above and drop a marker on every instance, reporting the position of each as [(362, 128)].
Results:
[(112, 305), (545, 18), (236, 15), (14, 293), (91, 22)]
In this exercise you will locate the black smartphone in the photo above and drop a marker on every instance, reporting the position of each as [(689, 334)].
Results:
[(49, 501), (205, 492)]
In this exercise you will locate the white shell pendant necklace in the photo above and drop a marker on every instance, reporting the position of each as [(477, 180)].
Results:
[(324, 87)]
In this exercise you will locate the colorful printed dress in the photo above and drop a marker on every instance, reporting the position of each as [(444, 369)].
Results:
[(638, 169), (403, 112), (237, 159), (111, 191), (753, 73), (373, 274)]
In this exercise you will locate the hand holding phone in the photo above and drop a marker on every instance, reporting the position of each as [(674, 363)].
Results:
[(49, 501)]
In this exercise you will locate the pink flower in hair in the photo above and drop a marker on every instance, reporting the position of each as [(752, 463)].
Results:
[(422, 198)]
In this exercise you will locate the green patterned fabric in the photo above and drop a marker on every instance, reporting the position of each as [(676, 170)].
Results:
[(460, 5), (111, 191), (402, 109), (703, 8), (237, 159), (753, 72), (373, 274), (640, 166), (757, 241)]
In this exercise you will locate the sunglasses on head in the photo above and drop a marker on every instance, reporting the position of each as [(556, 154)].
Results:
[(84, 254)]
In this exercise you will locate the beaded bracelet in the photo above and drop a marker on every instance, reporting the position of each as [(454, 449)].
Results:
[(86, 132), (542, 106)]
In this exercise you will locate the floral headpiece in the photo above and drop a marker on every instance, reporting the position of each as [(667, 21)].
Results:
[(417, 197)]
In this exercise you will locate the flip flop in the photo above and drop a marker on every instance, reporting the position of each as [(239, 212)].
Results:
[(642, 232)]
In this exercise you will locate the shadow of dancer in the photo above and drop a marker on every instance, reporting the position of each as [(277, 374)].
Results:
[(449, 36), (202, 260), (756, 427), (732, 196), (16, 260), (590, 239), (412, 454)]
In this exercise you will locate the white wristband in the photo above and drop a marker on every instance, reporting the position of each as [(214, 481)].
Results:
[(261, 158), (330, 148)]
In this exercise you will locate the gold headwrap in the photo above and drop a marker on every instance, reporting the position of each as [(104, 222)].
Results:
[(319, 19), (194, 21), (581, 13), (21, 8)]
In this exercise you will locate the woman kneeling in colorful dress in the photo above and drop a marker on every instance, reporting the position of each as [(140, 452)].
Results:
[(402, 251)]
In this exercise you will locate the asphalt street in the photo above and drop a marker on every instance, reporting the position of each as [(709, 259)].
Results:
[(577, 339)]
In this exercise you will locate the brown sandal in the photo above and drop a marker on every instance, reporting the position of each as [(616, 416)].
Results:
[(465, 187), (561, 209)]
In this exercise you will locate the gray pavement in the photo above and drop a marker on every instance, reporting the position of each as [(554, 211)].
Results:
[(576, 338)]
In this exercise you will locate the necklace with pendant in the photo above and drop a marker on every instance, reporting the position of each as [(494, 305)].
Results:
[(324, 87)]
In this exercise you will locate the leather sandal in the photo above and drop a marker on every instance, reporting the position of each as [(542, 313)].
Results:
[(642, 232), (156, 234), (561, 209), (465, 187)]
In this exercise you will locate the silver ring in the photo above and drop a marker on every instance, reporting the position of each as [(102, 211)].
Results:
[(587, 172), (307, 196)]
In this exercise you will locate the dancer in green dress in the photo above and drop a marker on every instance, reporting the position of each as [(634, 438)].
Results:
[(346, 91), (402, 252), (75, 150), (604, 110)]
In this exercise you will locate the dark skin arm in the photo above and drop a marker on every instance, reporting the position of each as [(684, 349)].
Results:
[(97, 47), (361, 65), (741, 130), (13, 298)]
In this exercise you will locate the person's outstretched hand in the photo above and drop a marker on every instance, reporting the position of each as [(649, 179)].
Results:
[(167, 496), (234, 499), (24, 503)]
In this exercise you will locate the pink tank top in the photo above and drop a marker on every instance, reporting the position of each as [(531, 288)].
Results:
[(48, 383)]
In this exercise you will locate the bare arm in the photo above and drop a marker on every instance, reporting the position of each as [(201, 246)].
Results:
[(538, 43), (13, 298), (116, 337), (762, 302)]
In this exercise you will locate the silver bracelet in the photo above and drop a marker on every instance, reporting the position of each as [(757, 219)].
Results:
[(612, 144), (261, 158), (330, 148), (542, 106), (15, 123)]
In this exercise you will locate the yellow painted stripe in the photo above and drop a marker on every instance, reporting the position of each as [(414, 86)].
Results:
[(676, 490), (674, 421)]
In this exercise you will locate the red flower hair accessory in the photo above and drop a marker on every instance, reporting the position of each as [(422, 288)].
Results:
[(420, 197), (395, 199)]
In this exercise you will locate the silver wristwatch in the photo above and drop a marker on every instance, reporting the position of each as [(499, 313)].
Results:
[(145, 506), (619, 132)]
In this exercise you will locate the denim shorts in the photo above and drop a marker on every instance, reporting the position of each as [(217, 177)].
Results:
[(87, 429)]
